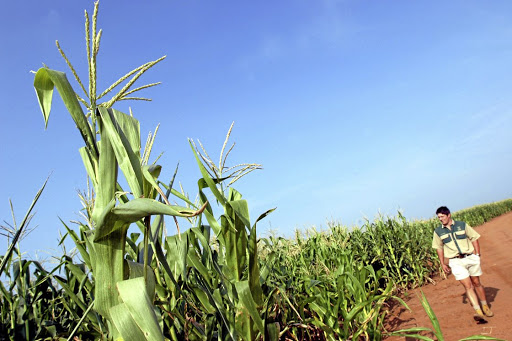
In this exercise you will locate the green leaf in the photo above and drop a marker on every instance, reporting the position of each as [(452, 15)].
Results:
[(414, 336), (411, 330), (89, 165), (136, 270), (79, 245), (245, 296), (78, 273), (106, 178), (108, 260), (118, 218), (125, 323), (481, 337), (151, 173), (74, 298), (139, 208), (134, 295), (44, 90), (124, 134), (272, 329), (11, 248), (44, 82), (206, 177), (254, 268), (5, 294), (432, 317), (263, 215), (108, 222), (241, 209), (177, 254)]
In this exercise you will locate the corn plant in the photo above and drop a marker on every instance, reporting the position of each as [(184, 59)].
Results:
[(235, 263), (30, 302), (481, 214), (397, 246), (217, 280), (329, 295), (112, 144), (436, 328)]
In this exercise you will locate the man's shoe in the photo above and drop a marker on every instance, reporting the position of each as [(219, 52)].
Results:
[(479, 316), (487, 311)]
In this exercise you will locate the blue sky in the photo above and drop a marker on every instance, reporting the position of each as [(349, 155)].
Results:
[(352, 107)]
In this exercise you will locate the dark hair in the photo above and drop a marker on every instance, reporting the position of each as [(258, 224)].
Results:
[(443, 210)]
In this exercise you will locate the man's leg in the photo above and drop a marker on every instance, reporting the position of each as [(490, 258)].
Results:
[(473, 299), (470, 292), (480, 291), (463, 275)]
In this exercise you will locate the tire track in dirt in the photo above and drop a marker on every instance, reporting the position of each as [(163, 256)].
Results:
[(449, 302)]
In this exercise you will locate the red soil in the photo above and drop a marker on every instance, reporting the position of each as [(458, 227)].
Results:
[(448, 299)]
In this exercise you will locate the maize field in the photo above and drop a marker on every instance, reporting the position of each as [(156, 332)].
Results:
[(215, 278)]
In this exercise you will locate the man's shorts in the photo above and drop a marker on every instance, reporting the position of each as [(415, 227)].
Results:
[(464, 267)]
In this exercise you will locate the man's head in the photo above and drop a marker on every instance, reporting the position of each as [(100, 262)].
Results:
[(444, 215)]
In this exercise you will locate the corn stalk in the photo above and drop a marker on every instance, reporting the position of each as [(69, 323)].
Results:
[(112, 145), (236, 262)]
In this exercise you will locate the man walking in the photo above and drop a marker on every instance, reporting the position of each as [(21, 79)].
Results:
[(459, 252)]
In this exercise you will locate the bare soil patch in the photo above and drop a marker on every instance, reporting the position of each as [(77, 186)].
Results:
[(449, 302)]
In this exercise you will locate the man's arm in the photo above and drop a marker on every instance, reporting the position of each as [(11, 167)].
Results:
[(438, 245), (440, 254), (476, 245)]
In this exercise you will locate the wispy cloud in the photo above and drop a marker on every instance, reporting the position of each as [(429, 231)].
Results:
[(327, 25), (485, 128), (52, 18)]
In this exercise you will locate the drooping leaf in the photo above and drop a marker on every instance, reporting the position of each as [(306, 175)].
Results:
[(151, 173), (241, 209), (108, 222), (44, 82), (139, 208), (134, 295)]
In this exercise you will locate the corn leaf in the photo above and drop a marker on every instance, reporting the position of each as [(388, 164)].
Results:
[(432, 316), (206, 177), (125, 323), (177, 254), (241, 209), (79, 245), (108, 222), (107, 174), (415, 336), (134, 295), (481, 337), (139, 208), (135, 270), (17, 235), (44, 82), (89, 164), (124, 134), (151, 173), (245, 296), (108, 261)]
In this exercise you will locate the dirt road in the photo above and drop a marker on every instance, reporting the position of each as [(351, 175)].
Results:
[(449, 301)]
